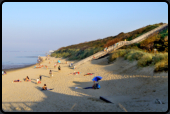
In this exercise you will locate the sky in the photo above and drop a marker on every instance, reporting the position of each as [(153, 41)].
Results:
[(44, 26)]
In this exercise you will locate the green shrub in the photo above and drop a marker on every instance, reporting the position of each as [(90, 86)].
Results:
[(145, 60), (117, 53), (158, 57), (161, 66)]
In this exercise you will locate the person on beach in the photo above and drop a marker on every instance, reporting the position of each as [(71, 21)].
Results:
[(40, 77), (74, 67), (55, 65), (38, 81), (2, 72), (88, 74), (16, 81), (59, 68), (5, 72), (27, 79), (46, 66), (45, 87), (70, 64), (50, 73), (75, 73)]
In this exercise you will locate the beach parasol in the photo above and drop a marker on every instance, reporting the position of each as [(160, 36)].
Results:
[(97, 78)]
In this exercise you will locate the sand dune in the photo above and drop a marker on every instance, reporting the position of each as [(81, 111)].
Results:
[(132, 89)]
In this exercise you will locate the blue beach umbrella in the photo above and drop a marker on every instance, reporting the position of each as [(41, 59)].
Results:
[(97, 78), (58, 61)]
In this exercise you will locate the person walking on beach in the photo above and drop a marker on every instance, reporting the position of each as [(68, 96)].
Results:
[(50, 73), (59, 68)]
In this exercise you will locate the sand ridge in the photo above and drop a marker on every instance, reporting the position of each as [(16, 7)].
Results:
[(122, 79)]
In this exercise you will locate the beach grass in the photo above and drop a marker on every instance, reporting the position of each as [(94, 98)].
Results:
[(159, 60)]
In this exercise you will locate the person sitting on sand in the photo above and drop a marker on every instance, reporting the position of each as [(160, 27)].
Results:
[(16, 80), (75, 73), (38, 81), (88, 74), (26, 79), (5, 72), (45, 87), (95, 84)]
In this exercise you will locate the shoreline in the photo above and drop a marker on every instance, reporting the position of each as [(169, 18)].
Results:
[(26, 66)]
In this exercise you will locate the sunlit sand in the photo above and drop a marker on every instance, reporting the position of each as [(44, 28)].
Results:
[(132, 89)]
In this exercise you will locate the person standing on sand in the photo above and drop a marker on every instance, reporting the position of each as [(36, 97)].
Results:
[(46, 66), (40, 77), (74, 67), (55, 65), (59, 68), (50, 73)]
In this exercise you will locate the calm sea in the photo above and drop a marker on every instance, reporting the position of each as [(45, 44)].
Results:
[(18, 59)]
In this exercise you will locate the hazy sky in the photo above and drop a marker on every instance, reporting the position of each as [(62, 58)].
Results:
[(45, 26)]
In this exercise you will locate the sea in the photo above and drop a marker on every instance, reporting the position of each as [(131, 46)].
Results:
[(19, 59)]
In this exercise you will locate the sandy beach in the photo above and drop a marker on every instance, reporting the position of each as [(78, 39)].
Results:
[(133, 89)]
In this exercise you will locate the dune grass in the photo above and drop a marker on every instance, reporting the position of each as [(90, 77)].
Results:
[(160, 60)]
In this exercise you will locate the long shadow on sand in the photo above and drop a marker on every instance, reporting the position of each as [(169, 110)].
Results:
[(87, 100)]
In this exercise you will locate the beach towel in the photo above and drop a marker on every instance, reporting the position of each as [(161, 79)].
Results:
[(47, 89)]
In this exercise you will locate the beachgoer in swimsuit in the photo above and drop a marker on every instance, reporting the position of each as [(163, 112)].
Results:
[(16, 80), (44, 87), (89, 74), (27, 79), (74, 73)]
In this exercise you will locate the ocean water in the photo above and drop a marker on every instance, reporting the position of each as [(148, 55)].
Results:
[(19, 59)]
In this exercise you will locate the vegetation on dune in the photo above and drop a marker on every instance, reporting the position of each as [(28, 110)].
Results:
[(160, 60), (82, 50), (143, 52)]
